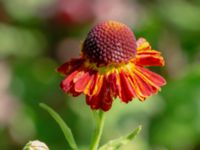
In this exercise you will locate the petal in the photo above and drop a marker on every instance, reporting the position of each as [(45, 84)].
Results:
[(67, 83), (97, 84), (107, 100), (93, 101), (142, 44), (102, 100), (134, 83), (146, 56), (143, 89), (149, 58), (90, 84), (127, 92), (73, 92), (114, 83), (150, 76), (70, 66), (146, 82), (82, 81)]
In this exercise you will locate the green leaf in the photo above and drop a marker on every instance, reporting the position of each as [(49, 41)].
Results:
[(117, 143), (64, 127)]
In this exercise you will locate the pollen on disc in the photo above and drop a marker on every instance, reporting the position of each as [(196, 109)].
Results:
[(109, 42)]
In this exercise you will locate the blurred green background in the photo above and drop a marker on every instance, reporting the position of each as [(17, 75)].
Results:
[(36, 36)]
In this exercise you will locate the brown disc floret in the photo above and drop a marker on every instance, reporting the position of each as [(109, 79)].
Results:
[(110, 42)]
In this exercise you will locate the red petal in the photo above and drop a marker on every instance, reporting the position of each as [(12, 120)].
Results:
[(148, 52), (93, 101), (98, 83), (149, 58), (70, 66), (146, 56), (102, 100), (106, 101), (91, 87), (95, 84), (73, 92), (143, 89), (127, 92), (142, 44), (67, 83), (82, 82), (150, 76), (114, 82)]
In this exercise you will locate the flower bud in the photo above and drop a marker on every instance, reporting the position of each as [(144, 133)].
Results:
[(35, 145)]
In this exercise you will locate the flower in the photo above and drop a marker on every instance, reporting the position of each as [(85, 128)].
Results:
[(112, 64), (35, 145)]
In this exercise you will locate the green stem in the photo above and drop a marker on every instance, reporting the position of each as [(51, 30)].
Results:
[(99, 119)]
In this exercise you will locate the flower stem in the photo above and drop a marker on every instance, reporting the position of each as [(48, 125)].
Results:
[(99, 119)]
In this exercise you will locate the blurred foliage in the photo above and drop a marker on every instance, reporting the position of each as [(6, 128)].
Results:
[(36, 36), (178, 126)]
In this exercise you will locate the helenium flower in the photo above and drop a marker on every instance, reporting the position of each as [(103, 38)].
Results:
[(112, 64)]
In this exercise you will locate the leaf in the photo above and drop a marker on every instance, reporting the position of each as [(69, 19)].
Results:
[(117, 143), (64, 127)]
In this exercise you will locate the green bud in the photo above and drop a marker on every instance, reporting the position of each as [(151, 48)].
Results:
[(35, 145)]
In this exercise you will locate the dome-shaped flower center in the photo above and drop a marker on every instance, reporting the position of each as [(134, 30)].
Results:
[(110, 42)]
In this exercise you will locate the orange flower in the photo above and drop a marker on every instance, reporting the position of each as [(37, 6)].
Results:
[(112, 65)]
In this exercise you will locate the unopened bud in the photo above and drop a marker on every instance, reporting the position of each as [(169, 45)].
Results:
[(35, 145)]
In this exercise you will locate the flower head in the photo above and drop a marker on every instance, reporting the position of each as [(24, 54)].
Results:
[(109, 43), (112, 65)]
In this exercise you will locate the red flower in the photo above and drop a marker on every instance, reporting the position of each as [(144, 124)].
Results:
[(112, 65)]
